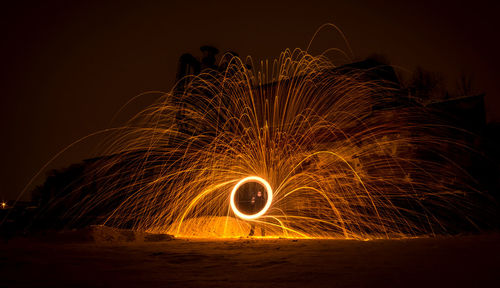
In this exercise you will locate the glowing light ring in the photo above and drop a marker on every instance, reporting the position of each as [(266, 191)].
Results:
[(269, 191)]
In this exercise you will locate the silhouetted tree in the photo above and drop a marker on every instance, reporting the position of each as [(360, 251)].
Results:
[(464, 86), (426, 85)]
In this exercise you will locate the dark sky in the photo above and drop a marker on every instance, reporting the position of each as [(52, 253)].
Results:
[(68, 66)]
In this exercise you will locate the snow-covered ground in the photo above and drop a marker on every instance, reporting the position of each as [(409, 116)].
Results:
[(463, 261)]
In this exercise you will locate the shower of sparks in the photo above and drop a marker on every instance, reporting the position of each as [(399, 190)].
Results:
[(334, 165)]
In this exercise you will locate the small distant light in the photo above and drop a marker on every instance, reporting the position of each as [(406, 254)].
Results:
[(4, 205)]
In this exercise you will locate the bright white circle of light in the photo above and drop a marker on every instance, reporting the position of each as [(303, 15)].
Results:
[(268, 203)]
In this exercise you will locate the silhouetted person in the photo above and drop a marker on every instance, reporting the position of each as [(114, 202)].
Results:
[(257, 203)]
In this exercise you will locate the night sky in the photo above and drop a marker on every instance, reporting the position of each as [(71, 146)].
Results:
[(68, 67)]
